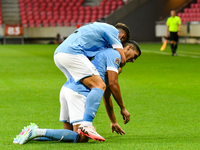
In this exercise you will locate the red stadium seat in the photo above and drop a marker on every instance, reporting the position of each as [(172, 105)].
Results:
[(45, 23), (27, 1), (48, 1), (73, 22), (56, 13), (81, 8), (24, 23), (80, 21), (120, 3), (86, 21), (36, 17), (62, 17), (38, 23), (65, 11), (41, 1), (35, 9), (56, 17), (57, 4), (52, 23), (66, 22), (42, 17), (59, 23), (87, 17), (82, 12), (35, 1), (179, 14), (192, 5)]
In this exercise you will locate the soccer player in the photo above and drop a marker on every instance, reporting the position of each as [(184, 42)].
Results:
[(72, 58), (73, 95), (174, 29)]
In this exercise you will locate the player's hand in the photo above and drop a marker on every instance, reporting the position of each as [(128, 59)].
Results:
[(125, 115), (115, 127), (179, 33), (119, 70)]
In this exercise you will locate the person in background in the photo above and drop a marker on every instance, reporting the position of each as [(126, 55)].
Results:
[(58, 39), (173, 31)]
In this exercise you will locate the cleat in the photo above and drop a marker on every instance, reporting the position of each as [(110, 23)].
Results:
[(90, 132), (16, 140), (18, 137), (30, 133)]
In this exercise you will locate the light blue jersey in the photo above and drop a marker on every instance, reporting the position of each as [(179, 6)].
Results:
[(108, 59), (89, 39)]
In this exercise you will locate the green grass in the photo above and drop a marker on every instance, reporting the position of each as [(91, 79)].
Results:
[(161, 92)]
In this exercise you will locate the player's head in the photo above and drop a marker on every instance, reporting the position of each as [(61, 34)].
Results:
[(173, 13), (124, 32), (132, 50)]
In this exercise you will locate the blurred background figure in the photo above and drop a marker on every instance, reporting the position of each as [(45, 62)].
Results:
[(173, 31), (58, 39)]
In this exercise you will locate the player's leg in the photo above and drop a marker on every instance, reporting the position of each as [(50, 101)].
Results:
[(82, 138), (172, 42), (174, 39), (67, 125), (64, 112), (93, 99), (82, 68), (176, 43), (97, 86), (32, 131), (77, 106)]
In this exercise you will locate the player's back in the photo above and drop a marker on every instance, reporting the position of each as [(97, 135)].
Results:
[(89, 39)]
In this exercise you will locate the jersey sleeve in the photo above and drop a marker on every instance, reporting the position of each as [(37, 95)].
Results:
[(168, 22), (113, 60), (111, 34)]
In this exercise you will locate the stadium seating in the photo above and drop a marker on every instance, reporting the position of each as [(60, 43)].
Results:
[(1, 21), (191, 14), (36, 13)]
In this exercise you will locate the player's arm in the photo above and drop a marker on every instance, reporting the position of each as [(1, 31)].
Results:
[(179, 29), (112, 36), (167, 34), (123, 57), (115, 89), (109, 108)]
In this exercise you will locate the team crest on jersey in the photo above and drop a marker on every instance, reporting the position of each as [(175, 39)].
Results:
[(93, 68), (117, 61)]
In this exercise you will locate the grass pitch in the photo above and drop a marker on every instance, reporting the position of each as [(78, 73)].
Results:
[(161, 92)]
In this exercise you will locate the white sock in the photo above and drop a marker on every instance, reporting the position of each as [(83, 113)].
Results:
[(86, 123), (41, 132)]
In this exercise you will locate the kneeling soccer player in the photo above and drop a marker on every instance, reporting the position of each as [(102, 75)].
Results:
[(73, 100)]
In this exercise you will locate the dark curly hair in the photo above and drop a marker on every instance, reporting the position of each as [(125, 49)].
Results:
[(125, 29), (135, 44)]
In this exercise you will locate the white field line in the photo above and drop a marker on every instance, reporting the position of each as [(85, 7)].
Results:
[(194, 55)]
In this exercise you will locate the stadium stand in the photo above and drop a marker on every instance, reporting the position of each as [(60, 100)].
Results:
[(50, 13), (191, 14), (1, 22)]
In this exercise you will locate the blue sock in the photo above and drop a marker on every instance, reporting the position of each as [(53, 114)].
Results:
[(92, 104), (63, 135)]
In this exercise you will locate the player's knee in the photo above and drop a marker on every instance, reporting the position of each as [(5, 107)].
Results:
[(103, 86), (100, 85)]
